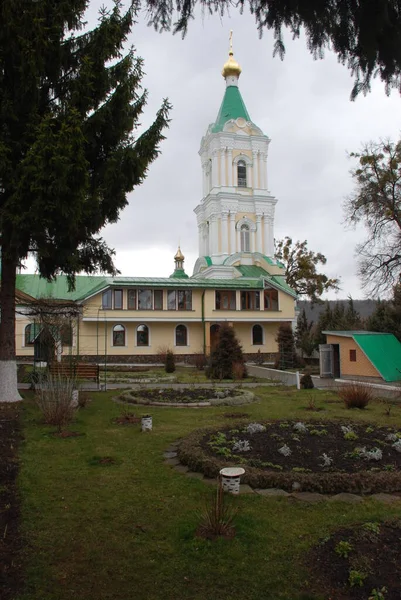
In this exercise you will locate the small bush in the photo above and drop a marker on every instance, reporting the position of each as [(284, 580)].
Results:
[(83, 399), (54, 400), (217, 518), (169, 365), (239, 371), (355, 395), (307, 382), (199, 361)]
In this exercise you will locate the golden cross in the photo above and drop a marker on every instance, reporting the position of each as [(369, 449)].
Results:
[(231, 41)]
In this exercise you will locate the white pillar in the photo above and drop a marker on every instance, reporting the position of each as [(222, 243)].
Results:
[(260, 169), (252, 236), (233, 244), (255, 170), (266, 232), (212, 235), (206, 244), (223, 167), (230, 167), (224, 233), (238, 240), (204, 172), (215, 172), (271, 236), (265, 171), (258, 233)]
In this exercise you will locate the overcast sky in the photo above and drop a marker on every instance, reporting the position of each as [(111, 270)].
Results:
[(301, 104)]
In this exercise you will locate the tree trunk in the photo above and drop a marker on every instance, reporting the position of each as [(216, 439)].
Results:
[(8, 365)]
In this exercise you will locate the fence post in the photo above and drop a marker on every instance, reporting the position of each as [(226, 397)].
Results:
[(297, 380)]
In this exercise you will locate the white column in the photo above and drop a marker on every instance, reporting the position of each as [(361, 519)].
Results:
[(271, 237), (233, 245), (265, 171), (258, 233), (238, 240), (230, 167), (266, 232), (252, 236), (212, 235), (223, 167), (204, 172), (200, 238), (215, 169), (255, 170), (260, 169), (224, 233)]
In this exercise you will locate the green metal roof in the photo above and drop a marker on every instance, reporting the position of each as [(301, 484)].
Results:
[(37, 287), (251, 271), (179, 274), (232, 107), (382, 349)]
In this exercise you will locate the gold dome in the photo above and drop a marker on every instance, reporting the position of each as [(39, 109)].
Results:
[(179, 255), (231, 67)]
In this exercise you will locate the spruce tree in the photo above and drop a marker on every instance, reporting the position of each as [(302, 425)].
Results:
[(70, 101), (227, 353), (304, 335), (287, 358)]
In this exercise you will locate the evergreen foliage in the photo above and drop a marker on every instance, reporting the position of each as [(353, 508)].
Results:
[(387, 316), (169, 364), (301, 269), (376, 202), (307, 382), (366, 36), (70, 101), (287, 358), (227, 353), (305, 335), (339, 318)]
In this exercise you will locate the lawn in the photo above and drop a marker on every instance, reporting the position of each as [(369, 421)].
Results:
[(126, 530)]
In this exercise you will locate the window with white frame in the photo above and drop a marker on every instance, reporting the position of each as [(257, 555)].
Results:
[(245, 238), (257, 335), (142, 335), (181, 335), (241, 173), (118, 335)]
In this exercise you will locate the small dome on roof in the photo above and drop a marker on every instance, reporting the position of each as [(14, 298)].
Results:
[(179, 255)]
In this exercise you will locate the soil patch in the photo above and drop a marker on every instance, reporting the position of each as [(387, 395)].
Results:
[(187, 396), (10, 540), (129, 419), (236, 415), (105, 461), (67, 434), (320, 456), (354, 561), (322, 447)]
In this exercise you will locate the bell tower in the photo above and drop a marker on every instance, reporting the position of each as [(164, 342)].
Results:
[(236, 213)]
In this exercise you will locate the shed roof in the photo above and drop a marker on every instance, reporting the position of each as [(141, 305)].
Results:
[(382, 349)]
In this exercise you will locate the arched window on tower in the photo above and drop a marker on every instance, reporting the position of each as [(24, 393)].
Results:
[(241, 173), (245, 239)]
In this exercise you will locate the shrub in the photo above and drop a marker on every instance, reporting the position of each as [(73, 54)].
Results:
[(54, 400), (169, 364), (239, 371), (227, 353), (217, 518), (307, 382), (355, 395), (83, 399), (287, 358), (199, 361)]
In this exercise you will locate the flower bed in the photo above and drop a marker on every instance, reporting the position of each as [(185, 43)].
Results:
[(188, 397), (326, 457)]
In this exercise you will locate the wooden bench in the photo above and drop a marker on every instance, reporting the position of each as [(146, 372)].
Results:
[(75, 370)]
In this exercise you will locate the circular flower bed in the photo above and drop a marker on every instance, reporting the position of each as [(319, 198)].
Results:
[(188, 397), (326, 457)]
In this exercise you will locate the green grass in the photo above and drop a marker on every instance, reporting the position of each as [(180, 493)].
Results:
[(181, 374), (123, 531)]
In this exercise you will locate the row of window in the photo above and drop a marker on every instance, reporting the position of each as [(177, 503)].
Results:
[(180, 335), (149, 299), (142, 335)]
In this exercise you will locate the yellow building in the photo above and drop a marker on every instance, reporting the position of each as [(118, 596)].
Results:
[(236, 278)]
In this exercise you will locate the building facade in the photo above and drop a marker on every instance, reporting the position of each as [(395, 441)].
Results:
[(236, 278)]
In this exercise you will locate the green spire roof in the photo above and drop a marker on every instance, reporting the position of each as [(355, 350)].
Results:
[(232, 107)]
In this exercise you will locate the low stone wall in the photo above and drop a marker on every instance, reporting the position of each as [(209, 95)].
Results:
[(285, 377)]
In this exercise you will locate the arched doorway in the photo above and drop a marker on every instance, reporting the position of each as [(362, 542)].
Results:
[(214, 336)]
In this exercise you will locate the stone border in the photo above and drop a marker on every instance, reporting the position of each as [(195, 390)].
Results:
[(244, 397), (171, 458)]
